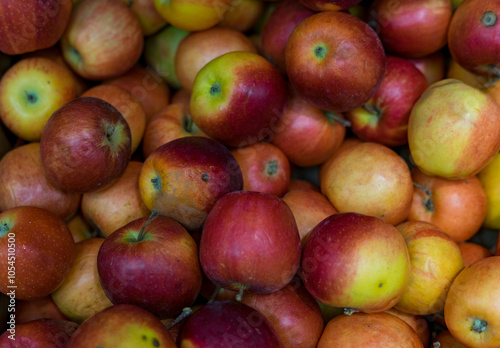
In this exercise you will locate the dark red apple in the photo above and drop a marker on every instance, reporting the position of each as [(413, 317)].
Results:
[(227, 324), (152, 264), (384, 118), (250, 242), (85, 145), (334, 60)]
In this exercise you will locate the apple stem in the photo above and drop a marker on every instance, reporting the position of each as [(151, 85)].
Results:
[(239, 296), (334, 117), (154, 214), (436, 345), (189, 124), (350, 311), (423, 188), (372, 109), (429, 202), (214, 295), (186, 312)]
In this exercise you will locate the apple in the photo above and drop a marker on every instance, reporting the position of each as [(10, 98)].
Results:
[(458, 72), (127, 105), (242, 15), (472, 38), (85, 145), (433, 66), (371, 277), (265, 168), (30, 91), (458, 206), (116, 205), (103, 39), (384, 118), (307, 135), (39, 333), (372, 179), (416, 322), (160, 50), (31, 25), (435, 261), (329, 5), (185, 177), (411, 28), (80, 229), (151, 263), (472, 307), (80, 296), (199, 48), (24, 250), (23, 182), (334, 60), (192, 15), (344, 145), (445, 340), (368, 329), (146, 86), (309, 208), (238, 98), (472, 252), (245, 233), (453, 142), (301, 184), (124, 326), (293, 313), (278, 27), (171, 123), (490, 180), (226, 324), (149, 18), (41, 308)]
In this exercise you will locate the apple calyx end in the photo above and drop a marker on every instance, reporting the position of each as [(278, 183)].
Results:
[(489, 19), (4, 228), (479, 325), (31, 97), (215, 89), (320, 51), (272, 167), (156, 181)]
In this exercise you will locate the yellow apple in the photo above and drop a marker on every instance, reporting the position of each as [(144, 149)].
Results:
[(490, 179)]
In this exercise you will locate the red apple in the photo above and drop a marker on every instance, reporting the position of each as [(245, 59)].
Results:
[(411, 28), (329, 5), (33, 264), (472, 252), (432, 66), (103, 39), (152, 264), (85, 145), (41, 308), (185, 177), (226, 324), (243, 235), (334, 60), (384, 118), (31, 25), (473, 36), (242, 15), (370, 277), (238, 98), (23, 182), (124, 326)]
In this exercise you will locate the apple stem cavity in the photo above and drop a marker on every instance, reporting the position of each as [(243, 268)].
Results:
[(215, 89), (489, 19), (186, 312), (350, 311), (153, 215), (332, 116), (428, 202), (479, 325), (239, 295), (31, 97), (320, 51), (272, 167), (373, 110), (214, 295), (4, 228)]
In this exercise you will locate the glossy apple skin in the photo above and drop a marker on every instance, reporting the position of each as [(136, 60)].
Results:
[(237, 252), (490, 180), (23, 182), (329, 5), (242, 15), (160, 273), (184, 178), (42, 308), (27, 26), (149, 18), (411, 28), (293, 312), (384, 118), (369, 330), (432, 66), (416, 322), (335, 61), (474, 297), (371, 277), (81, 296), (372, 179), (456, 142), (278, 27), (472, 252), (238, 98), (124, 326), (435, 261), (103, 39), (54, 249), (30, 91), (265, 168), (227, 324), (472, 36), (40, 333), (85, 145), (458, 207)]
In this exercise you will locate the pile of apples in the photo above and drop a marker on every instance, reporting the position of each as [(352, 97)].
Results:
[(249, 173)]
